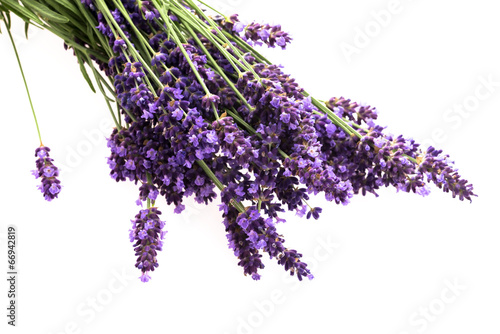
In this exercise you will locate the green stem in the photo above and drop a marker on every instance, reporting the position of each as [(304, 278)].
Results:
[(219, 70), (202, 28), (215, 10), (215, 27), (24, 80), (150, 181), (145, 45)]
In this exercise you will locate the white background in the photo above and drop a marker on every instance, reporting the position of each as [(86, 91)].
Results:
[(392, 258)]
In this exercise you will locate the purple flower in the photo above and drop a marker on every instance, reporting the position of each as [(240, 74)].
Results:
[(229, 138), (151, 154), (178, 114), (118, 45), (131, 235), (142, 234), (49, 171), (166, 180), (314, 213), (149, 224), (149, 15), (281, 41), (147, 114), (194, 140), (211, 137), (253, 236), (238, 27), (423, 191), (200, 180), (153, 194), (121, 151), (255, 276), (208, 99), (145, 277), (130, 164), (302, 163), (42, 153), (179, 208), (264, 34), (285, 118), (243, 222), (178, 94), (302, 211), (379, 142), (330, 129), (261, 244), (313, 151), (275, 102), (54, 188)]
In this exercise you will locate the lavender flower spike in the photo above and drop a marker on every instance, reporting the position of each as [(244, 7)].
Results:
[(46, 170), (148, 234)]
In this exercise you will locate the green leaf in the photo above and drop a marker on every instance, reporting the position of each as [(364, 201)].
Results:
[(45, 12), (90, 35), (26, 27), (81, 61), (70, 6), (23, 12)]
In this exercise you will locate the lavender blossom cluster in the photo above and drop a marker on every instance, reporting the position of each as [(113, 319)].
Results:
[(198, 117), (45, 170)]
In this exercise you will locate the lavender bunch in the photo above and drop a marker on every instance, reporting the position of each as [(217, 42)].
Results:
[(201, 112)]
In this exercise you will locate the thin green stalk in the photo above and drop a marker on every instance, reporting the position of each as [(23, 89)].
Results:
[(24, 80), (202, 28), (126, 15), (214, 26), (150, 181), (333, 117), (215, 10), (219, 70)]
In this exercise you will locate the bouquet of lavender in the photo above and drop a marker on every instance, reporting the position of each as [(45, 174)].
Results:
[(198, 111)]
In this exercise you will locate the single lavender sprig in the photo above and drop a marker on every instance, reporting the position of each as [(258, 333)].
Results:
[(50, 186)]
